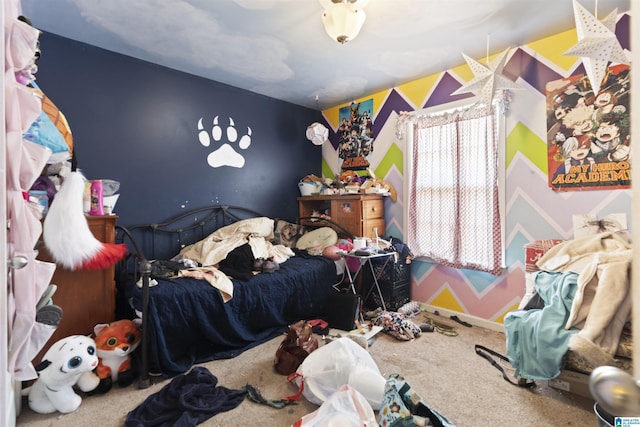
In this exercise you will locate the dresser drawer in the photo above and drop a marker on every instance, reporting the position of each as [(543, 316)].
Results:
[(372, 209), (369, 225), (347, 211), (358, 214)]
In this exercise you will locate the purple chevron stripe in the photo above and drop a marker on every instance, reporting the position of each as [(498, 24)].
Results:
[(333, 136), (623, 26), (442, 92), (394, 102), (530, 69)]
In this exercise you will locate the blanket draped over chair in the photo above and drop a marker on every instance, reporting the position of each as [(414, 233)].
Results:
[(601, 304)]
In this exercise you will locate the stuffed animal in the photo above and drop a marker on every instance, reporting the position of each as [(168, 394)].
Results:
[(68, 362), (114, 343)]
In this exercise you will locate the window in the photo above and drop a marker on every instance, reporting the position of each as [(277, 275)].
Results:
[(454, 198)]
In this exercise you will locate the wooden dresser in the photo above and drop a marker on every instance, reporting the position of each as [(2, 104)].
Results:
[(87, 297), (360, 214)]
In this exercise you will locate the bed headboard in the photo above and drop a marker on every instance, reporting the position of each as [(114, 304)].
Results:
[(163, 240)]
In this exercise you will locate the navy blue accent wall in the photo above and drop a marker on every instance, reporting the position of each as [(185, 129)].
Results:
[(136, 123)]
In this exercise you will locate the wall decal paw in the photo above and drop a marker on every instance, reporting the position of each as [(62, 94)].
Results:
[(226, 154)]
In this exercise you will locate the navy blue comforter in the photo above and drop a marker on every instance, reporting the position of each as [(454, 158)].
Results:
[(188, 322)]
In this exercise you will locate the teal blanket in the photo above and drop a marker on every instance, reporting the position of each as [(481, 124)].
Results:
[(537, 339)]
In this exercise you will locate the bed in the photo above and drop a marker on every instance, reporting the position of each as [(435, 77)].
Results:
[(583, 319), (187, 320)]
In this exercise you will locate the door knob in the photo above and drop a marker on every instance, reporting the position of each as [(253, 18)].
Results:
[(17, 262)]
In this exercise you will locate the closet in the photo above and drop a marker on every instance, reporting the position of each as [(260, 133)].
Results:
[(21, 161)]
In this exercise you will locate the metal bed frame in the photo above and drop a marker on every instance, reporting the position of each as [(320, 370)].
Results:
[(178, 231)]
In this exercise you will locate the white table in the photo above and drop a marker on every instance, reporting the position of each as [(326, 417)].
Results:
[(367, 260)]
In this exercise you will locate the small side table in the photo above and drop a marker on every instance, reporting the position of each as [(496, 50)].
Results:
[(366, 260)]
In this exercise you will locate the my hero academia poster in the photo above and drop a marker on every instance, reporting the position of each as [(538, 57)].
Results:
[(356, 135), (588, 135)]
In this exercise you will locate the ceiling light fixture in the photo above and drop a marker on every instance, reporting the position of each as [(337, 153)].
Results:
[(343, 19)]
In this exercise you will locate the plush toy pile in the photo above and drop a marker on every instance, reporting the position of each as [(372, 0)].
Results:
[(68, 362), (114, 343)]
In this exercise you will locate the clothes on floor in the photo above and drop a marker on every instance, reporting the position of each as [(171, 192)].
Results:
[(188, 400)]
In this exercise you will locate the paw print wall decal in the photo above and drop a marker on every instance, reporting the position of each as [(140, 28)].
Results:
[(226, 154)]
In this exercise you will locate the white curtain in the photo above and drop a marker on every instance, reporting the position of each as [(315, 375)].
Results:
[(454, 215)]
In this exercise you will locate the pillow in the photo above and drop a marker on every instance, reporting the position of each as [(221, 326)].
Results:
[(287, 233), (332, 252), (318, 239)]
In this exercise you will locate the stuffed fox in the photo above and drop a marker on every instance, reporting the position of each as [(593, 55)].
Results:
[(114, 344)]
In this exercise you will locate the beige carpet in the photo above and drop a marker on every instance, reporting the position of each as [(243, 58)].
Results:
[(444, 370)]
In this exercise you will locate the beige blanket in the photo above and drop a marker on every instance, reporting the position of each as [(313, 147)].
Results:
[(215, 247), (215, 277), (602, 303)]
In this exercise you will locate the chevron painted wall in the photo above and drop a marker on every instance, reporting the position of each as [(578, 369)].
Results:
[(533, 210)]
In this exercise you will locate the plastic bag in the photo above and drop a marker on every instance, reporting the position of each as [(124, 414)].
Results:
[(346, 407), (338, 363)]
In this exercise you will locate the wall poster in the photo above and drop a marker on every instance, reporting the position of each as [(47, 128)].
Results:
[(355, 135), (588, 135)]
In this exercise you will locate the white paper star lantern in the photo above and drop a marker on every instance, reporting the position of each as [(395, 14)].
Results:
[(597, 44), (487, 78)]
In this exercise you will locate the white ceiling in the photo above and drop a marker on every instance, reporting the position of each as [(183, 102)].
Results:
[(279, 48)]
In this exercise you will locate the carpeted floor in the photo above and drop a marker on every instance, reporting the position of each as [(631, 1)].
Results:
[(444, 370)]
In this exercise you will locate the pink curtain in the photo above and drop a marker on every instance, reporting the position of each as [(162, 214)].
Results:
[(453, 199)]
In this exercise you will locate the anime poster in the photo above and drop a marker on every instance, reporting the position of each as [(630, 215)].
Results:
[(355, 135), (588, 135)]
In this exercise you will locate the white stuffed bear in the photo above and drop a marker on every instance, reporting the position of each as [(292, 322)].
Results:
[(68, 362)]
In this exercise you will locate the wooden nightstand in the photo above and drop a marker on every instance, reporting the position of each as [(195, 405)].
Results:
[(87, 297), (360, 214)]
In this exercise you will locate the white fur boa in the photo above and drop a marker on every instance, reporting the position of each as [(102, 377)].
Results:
[(67, 235)]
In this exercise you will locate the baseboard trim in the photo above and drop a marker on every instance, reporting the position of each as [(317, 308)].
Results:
[(474, 320)]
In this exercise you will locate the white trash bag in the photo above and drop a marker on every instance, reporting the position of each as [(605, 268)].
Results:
[(346, 407), (338, 363)]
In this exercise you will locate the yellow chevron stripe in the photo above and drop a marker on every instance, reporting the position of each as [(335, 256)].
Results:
[(553, 47), (332, 115), (447, 300), (522, 139), (501, 318), (417, 90), (463, 71)]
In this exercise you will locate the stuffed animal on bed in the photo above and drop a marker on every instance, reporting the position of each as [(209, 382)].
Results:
[(68, 362), (114, 343)]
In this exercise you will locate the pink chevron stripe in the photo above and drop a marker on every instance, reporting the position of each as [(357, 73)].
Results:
[(502, 292)]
